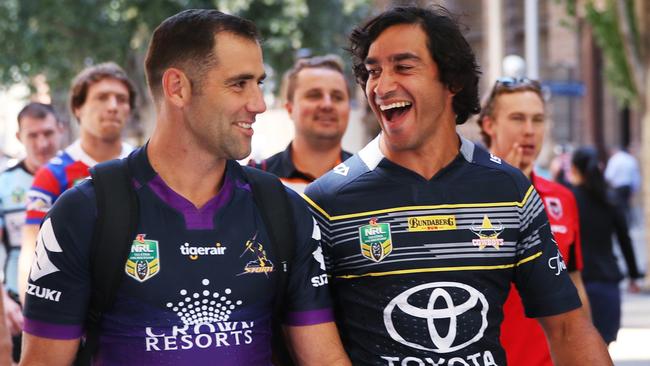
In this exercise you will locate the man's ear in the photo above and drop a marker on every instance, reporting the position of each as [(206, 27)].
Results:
[(289, 107), (176, 87), (488, 125)]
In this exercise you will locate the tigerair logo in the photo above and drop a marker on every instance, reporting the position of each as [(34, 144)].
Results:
[(488, 234), (432, 223), (194, 253)]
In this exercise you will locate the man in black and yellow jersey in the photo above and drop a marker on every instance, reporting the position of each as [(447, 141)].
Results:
[(422, 230)]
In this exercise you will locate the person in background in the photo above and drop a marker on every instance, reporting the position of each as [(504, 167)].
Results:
[(41, 133), (318, 102), (513, 124), (101, 99), (600, 219), (623, 175)]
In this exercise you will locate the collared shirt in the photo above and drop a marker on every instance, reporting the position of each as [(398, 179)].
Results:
[(198, 285), (281, 164), (421, 267)]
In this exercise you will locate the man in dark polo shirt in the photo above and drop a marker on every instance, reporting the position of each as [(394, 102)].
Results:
[(318, 101)]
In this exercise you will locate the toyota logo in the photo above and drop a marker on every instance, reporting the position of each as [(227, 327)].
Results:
[(453, 314)]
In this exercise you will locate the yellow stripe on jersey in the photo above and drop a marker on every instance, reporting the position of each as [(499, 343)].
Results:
[(443, 269), (408, 208)]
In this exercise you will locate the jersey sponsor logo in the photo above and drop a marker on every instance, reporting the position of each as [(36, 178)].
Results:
[(43, 293), (488, 234), (559, 229), (495, 159), (143, 261), (477, 359), (432, 223), (375, 240), (194, 253), (557, 263), (46, 243), (205, 317), (38, 201), (341, 169), (261, 263), (452, 314), (554, 207)]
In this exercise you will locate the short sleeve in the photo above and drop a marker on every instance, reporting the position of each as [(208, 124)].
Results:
[(59, 281), (540, 272), (44, 191), (308, 291)]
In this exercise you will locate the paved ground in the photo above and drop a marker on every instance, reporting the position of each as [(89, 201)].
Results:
[(632, 348)]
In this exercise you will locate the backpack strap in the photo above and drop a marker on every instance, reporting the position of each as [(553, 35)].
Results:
[(115, 228), (273, 202)]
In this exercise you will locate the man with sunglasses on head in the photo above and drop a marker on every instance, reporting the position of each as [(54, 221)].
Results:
[(423, 231), (513, 123)]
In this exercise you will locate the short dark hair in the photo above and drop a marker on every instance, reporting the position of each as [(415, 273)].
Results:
[(449, 49), (502, 86), (330, 62), (187, 41), (94, 74), (37, 110)]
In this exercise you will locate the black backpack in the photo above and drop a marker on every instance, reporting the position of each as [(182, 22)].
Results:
[(115, 229)]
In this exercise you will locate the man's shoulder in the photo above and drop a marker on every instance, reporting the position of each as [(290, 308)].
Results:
[(486, 163), (339, 177)]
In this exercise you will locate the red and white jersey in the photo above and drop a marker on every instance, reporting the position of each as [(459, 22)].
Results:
[(66, 169), (522, 337)]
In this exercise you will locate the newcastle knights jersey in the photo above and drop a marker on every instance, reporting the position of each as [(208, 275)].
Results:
[(530, 348), (421, 268), (198, 283), (63, 171)]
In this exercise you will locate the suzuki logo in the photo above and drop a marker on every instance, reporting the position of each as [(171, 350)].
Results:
[(442, 309)]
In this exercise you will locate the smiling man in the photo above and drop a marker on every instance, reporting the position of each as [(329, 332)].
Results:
[(101, 99), (318, 102), (199, 284), (423, 231)]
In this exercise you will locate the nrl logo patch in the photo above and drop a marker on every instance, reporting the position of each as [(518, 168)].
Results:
[(375, 240), (488, 234), (143, 262)]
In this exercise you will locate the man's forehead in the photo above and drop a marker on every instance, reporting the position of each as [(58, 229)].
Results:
[(398, 43), (108, 83)]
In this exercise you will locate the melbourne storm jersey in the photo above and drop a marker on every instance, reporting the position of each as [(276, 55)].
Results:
[(14, 183), (63, 171), (199, 283), (421, 268)]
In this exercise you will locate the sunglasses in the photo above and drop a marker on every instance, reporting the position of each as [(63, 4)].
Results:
[(514, 83)]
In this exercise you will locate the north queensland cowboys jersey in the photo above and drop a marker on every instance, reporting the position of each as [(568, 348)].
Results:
[(421, 268)]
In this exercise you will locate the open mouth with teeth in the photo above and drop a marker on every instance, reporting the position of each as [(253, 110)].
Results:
[(395, 110)]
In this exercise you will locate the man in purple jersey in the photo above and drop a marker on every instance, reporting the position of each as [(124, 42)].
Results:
[(201, 275)]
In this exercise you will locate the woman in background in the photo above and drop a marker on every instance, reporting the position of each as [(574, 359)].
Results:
[(600, 217)]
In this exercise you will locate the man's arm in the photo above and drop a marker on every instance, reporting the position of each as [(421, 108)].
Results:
[(30, 232), (573, 340), (576, 277), (39, 351), (317, 344)]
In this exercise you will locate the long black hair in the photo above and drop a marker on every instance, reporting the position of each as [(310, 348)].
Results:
[(585, 160)]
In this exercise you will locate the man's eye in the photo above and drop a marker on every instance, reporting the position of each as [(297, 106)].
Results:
[(403, 67)]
